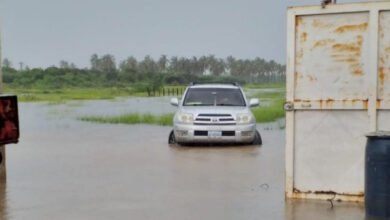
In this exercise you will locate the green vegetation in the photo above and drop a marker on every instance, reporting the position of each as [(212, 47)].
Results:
[(142, 75), (270, 112), (58, 96), (104, 79), (276, 85), (269, 96), (132, 118), (61, 95), (271, 105)]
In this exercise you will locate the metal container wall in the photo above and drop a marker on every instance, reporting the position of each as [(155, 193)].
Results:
[(338, 90), (377, 176)]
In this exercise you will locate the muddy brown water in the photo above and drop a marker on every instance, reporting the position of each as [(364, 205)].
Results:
[(66, 169)]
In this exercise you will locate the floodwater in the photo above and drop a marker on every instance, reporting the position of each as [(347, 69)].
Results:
[(67, 169)]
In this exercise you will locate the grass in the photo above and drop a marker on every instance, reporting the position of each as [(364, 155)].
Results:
[(270, 112), (266, 86), (59, 96), (269, 95), (265, 113), (132, 118)]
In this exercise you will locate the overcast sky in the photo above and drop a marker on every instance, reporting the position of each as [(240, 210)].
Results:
[(40, 33)]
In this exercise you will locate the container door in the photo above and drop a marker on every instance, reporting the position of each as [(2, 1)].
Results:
[(332, 81)]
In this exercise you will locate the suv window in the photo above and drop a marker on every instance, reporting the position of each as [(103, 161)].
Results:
[(214, 97)]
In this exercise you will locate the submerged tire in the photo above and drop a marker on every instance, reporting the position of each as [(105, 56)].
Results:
[(257, 140), (172, 139)]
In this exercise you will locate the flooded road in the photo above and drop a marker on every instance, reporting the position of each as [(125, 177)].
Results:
[(67, 169)]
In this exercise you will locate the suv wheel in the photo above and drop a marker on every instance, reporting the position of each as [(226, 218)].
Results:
[(172, 139), (257, 140)]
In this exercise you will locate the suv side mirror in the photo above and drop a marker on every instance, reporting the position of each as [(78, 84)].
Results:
[(254, 102), (174, 102)]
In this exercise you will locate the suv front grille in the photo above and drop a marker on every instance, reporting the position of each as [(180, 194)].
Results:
[(214, 119), (201, 133), (224, 133)]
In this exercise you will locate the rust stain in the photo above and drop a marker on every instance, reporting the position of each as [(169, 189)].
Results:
[(346, 48), (325, 192), (304, 37), (353, 27), (353, 197), (328, 103), (323, 43), (359, 40), (312, 78), (357, 54), (329, 192), (387, 49), (300, 54), (347, 60), (382, 75), (357, 69), (365, 104), (321, 24), (378, 103), (358, 72), (298, 21), (298, 75), (346, 56), (382, 61)]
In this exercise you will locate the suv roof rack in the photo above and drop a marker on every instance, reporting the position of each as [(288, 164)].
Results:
[(228, 83)]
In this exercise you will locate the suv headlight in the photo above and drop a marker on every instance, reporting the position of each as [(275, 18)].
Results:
[(244, 118), (184, 117)]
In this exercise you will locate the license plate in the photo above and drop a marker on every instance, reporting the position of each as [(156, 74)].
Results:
[(215, 134)]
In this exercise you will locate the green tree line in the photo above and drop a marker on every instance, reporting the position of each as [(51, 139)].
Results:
[(152, 73)]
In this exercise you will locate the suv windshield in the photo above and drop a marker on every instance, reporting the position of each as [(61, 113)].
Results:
[(214, 97)]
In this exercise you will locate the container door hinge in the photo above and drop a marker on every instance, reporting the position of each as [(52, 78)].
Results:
[(289, 106)]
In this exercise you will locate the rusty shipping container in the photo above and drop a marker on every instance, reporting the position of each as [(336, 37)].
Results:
[(338, 90)]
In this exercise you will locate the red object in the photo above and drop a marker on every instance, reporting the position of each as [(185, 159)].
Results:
[(9, 120)]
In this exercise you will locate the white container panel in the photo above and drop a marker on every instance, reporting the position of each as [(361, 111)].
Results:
[(338, 90), (384, 59), (384, 120), (331, 54), (329, 151)]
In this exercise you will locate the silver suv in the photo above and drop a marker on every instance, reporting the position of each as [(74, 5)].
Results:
[(214, 113)]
